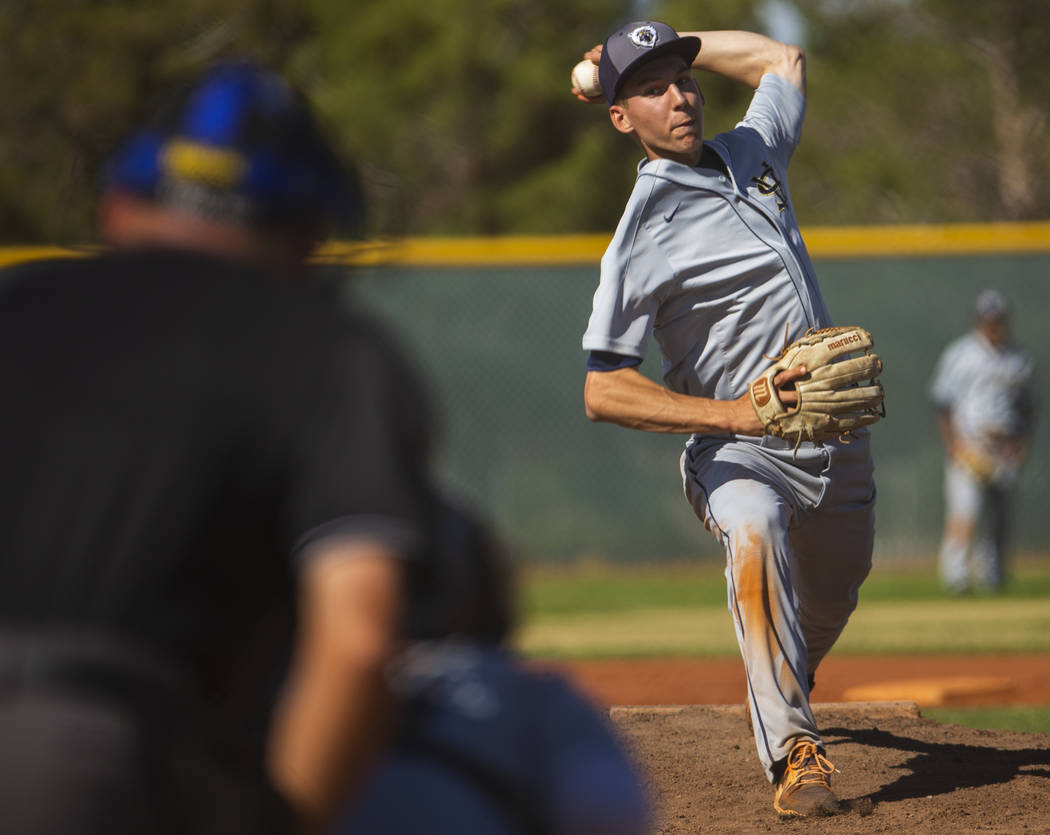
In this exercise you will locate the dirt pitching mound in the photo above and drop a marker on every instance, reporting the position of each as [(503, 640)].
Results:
[(898, 772)]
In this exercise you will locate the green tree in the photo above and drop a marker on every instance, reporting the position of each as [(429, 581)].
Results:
[(925, 110), (461, 113), (74, 77)]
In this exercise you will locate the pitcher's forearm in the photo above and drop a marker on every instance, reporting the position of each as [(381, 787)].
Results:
[(628, 398), (745, 57)]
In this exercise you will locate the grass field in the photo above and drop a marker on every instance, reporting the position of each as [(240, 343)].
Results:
[(596, 611), (1035, 720), (600, 611)]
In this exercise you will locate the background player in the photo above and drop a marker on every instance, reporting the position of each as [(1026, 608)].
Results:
[(201, 454), (982, 391), (708, 259)]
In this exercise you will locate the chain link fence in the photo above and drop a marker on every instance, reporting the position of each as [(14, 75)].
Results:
[(501, 349)]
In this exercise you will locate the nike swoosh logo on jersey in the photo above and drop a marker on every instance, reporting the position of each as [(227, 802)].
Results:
[(670, 214)]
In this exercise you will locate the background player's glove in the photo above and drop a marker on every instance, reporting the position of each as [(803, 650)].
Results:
[(978, 462), (840, 392)]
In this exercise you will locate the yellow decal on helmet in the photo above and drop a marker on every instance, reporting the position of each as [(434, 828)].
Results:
[(219, 167)]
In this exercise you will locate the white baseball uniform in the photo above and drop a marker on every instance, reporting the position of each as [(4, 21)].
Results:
[(987, 391), (710, 262)]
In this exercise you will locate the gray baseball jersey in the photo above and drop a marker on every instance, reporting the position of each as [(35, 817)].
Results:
[(710, 262), (986, 388)]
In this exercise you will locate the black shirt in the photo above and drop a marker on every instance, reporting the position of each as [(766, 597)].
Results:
[(175, 433)]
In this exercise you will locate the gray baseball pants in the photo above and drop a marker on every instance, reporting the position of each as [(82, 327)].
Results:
[(798, 530), (976, 529)]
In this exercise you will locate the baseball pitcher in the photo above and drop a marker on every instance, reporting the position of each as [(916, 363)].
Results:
[(708, 260)]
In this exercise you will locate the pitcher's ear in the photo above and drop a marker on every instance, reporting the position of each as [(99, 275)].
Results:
[(620, 118)]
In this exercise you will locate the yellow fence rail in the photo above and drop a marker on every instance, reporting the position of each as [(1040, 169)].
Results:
[(568, 250)]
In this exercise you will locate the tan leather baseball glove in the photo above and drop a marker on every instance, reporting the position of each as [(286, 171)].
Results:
[(978, 461), (840, 392)]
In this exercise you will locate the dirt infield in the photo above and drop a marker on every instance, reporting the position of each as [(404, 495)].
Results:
[(1021, 679), (898, 772)]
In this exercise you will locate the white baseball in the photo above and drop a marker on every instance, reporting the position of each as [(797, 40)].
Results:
[(585, 79)]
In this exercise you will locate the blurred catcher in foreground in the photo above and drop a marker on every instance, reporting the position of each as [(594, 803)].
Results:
[(982, 391), (212, 477), (487, 745)]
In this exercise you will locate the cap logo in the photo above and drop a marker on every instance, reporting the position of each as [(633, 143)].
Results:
[(644, 36)]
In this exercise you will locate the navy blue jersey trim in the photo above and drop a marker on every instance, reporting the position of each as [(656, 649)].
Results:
[(610, 361)]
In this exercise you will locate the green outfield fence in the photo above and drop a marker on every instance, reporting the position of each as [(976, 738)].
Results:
[(496, 325)]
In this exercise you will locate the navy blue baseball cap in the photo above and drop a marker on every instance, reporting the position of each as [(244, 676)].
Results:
[(240, 145), (635, 44), (991, 304)]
